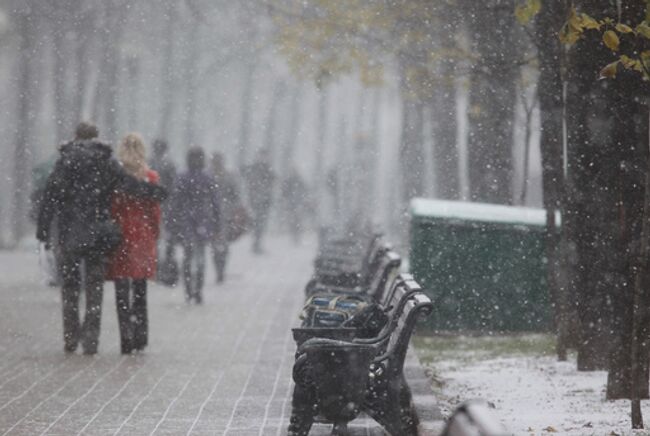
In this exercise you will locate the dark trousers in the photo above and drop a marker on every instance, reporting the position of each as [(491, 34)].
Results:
[(131, 300), (194, 270), (73, 330)]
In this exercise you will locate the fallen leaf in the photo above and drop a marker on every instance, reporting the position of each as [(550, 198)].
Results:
[(624, 28), (610, 38), (609, 71)]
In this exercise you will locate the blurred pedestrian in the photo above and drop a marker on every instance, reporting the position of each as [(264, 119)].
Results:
[(230, 206), (259, 177), (195, 220), (80, 190), (294, 196), (134, 261), (161, 163)]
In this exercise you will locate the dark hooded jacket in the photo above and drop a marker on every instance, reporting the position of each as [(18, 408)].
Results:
[(195, 208), (80, 188)]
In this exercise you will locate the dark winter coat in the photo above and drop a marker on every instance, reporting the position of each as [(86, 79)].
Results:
[(139, 221), (195, 208), (80, 189)]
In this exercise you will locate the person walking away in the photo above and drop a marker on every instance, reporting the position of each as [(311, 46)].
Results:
[(134, 261), (162, 164), (195, 220), (79, 191), (294, 196), (230, 202), (259, 177)]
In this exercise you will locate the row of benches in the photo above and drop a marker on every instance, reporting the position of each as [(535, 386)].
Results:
[(357, 365)]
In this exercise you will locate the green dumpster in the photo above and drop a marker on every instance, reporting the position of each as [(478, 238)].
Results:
[(483, 265)]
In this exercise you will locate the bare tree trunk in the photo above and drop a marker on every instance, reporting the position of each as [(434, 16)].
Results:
[(491, 106), (133, 69), (639, 313), (26, 89), (529, 107), (83, 24), (167, 73), (443, 108), (247, 109), (412, 150), (294, 127), (62, 120), (114, 18), (271, 131), (318, 178), (190, 77)]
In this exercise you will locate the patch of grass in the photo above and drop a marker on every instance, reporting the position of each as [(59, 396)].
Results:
[(436, 348)]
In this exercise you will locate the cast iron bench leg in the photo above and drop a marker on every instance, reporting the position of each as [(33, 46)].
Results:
[(393, 408), (302, 414), (340, 429)]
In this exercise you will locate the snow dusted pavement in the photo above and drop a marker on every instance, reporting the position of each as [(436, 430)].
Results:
[(223, 368)]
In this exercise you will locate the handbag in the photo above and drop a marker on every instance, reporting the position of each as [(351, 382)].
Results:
[(100, 238)]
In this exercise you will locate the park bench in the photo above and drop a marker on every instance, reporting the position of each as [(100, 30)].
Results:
[(346, 262), (338, 375), (383, 267)]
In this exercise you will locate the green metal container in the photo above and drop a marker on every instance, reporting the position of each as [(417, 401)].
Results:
[(483, 265)]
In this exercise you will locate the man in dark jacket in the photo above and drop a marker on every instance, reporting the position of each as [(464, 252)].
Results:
[(194, 220), (79, 192)]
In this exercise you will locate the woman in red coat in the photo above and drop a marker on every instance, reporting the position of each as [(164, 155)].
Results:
[(134, 261)]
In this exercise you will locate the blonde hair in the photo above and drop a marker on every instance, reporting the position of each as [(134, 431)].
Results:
[(132, 153)]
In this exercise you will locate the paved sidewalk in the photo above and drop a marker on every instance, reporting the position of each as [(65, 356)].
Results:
[(223, 368)]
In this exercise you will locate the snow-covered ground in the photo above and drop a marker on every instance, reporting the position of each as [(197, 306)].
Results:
[(531, 391)]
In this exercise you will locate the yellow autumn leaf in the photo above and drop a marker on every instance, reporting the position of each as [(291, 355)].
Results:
[(568, 35), (574, 22), (631, 64), (609, 72), (643, 29), (524, 12), (623, 28), (645, 61), (589, 23), (610, 38)]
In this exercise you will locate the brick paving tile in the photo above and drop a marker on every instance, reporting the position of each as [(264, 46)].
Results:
[(223, 368)]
